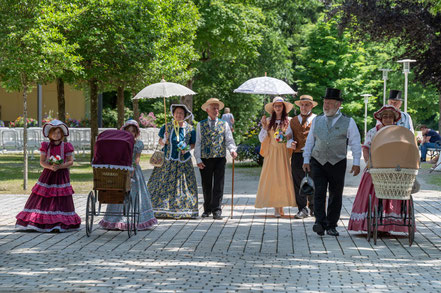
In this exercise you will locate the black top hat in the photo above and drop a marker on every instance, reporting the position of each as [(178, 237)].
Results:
[(334, 94), (395, 95), (307, 186)]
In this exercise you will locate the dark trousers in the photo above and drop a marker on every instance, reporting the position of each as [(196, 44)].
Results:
[(213, 183), (297, 176), (334, 177)]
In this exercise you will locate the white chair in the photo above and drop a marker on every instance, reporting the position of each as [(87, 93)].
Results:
[(34, 139), (10, 140), (84, 139)]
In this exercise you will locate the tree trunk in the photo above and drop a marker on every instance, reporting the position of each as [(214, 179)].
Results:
[(25, 138), (93, 85), (61, 100), (136, 109), (120, 105), (188, 100)]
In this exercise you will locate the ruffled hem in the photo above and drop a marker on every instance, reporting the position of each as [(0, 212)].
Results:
[(52, 191), (361, 225), (107, 166), (20, 225), (45, 218), (123, 226)]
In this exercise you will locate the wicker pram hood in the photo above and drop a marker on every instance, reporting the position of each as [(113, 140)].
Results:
[(394, 146), (114, 149)]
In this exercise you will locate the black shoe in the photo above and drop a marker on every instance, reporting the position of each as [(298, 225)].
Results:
[(205, 214), (217, 215), (332, 232), (317, 228)]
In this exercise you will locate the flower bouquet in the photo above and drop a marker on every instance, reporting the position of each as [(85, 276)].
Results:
[(55, 160), (280, 136), (183, 146)]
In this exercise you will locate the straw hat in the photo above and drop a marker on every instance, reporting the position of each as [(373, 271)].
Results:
[(269, 106), (130, 122), (187, 113), (212, 101), (55, 123), (379, 114), (306, 98)]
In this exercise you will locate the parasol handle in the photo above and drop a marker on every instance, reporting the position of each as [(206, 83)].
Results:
[(165, 115)]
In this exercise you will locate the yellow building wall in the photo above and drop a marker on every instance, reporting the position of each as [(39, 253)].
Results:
[(11, 104)]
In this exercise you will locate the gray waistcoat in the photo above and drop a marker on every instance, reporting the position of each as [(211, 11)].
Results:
[(330, 145)]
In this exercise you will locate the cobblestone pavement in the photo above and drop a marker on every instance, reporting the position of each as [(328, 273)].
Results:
[(253, 251)]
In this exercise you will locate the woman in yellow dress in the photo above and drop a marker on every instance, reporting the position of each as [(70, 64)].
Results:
[(275, 185)]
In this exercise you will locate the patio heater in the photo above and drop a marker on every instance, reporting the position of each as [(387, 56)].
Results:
[(385, 72), (366, 101), (406, 71)]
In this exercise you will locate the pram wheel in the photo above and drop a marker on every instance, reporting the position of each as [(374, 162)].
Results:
[(369, 219), (136, 213), (90, 212), (129, 213), (375, 224), (411, 225)]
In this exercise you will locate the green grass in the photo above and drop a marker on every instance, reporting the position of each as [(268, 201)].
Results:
[(11, 173)]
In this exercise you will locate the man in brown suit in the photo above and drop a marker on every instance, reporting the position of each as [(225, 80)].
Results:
[(297, 133)]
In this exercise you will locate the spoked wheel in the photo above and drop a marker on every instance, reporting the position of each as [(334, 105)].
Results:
[(136, 213), (369, 219), (129, 214), (411, 223), (375, 224), (90, 212)]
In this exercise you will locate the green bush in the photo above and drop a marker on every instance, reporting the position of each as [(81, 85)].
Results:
[(110, 117)]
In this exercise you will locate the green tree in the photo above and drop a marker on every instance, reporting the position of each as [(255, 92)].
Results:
[(120, 42), (32, 50), (414, 25)]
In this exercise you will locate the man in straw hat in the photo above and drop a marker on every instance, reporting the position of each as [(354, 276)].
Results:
[(298, 129), (213, 138), (325, 157)]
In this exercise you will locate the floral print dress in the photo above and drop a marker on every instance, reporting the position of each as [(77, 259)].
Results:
[(173, 186)]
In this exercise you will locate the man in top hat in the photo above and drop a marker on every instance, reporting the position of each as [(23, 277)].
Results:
[(324, 156), (396, 101), (298, 129), (213, 139)]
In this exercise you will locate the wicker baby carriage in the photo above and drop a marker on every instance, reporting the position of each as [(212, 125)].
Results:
[(112, 170), (394, 163)]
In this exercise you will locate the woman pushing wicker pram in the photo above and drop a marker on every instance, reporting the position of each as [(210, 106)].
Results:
[(119, 182), (393, 157)]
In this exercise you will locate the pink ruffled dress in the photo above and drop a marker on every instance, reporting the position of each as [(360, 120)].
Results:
[(50, 206)]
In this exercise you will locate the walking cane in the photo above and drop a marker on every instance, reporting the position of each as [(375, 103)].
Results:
[(232, 192)]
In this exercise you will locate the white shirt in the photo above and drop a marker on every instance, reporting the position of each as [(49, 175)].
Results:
[(289, 131), (229, 140), (353, 137)]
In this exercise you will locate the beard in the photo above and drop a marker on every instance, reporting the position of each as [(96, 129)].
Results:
[(330, 112)]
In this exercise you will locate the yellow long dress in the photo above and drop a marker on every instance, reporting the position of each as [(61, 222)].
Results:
[(276, 187)]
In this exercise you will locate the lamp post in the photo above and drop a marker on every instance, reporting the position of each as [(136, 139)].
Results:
[(385, 72), (366, 101), (406, 71)]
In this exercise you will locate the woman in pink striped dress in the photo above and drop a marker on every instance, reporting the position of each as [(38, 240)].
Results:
[(387, 115)]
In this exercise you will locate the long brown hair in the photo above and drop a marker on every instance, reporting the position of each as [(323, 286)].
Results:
[(283, 121)]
